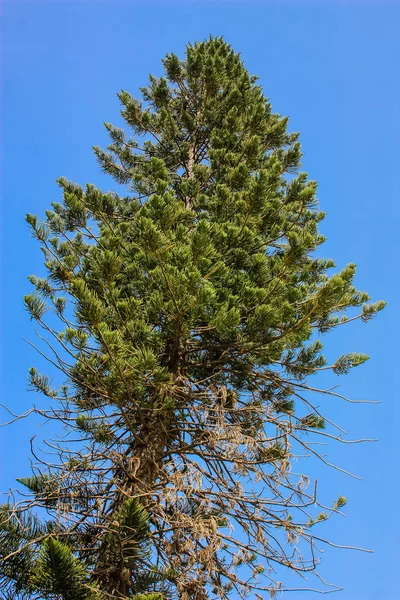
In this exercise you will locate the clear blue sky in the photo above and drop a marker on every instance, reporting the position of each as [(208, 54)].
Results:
[(333, 68)]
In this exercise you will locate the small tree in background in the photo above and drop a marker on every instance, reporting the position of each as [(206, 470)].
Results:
[(191, 314)]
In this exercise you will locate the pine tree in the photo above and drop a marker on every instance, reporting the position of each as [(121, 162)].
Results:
[(34, 560), (192, 310)]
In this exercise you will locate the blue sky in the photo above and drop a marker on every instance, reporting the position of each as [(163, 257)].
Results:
[(332, 67)]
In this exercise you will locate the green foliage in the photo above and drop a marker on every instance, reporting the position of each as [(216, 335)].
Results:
[(35, 305), (322, 516), (40, 383), (124, 547), (313, 421), (347, 361), (58, 573), (340, 502), (47, 566), (44, 486), (192, 312), (285, 406), (15, 572)]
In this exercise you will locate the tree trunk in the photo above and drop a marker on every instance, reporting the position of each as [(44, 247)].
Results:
[(141, 472)]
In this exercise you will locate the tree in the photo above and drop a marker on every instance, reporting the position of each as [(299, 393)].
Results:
[(39, 563), (192, 311)]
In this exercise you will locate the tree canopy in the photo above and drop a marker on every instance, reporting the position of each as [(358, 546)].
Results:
[(187, 321)]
